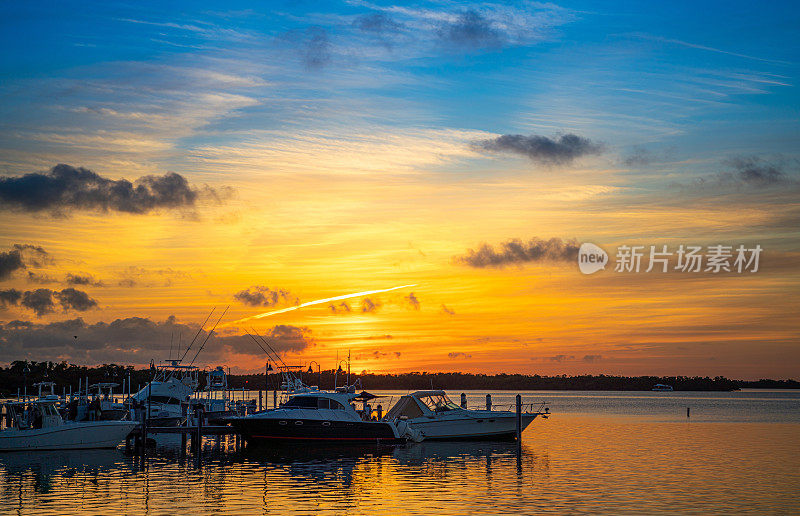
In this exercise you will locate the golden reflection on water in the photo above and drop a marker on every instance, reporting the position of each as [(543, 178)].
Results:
[(569, 464)]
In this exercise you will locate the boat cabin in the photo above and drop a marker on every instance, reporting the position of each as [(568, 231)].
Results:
[(32, 414)]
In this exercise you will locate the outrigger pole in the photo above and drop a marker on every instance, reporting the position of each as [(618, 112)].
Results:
[(210, 333)]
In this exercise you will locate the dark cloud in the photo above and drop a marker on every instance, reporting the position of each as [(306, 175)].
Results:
[(516, 251), (448, 311), (315, 48), (42, 301), (753, 171), (78, 279), (10, 297), (132, 340), (139, 276), (471, 30), (10, 261), (412, 300), (64, 188), (558, 150), (378, 355), (369, 306), (592, 358), (746, 173), (72, 299), (39, 300), (561, 358), (42, 279), (288, 337), (341, 308), (259, 295), (377, 23), (458, 354)]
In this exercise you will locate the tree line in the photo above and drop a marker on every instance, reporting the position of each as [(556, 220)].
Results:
[(20, 373)]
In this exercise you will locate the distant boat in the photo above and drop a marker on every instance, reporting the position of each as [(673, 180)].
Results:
[(660, 387)]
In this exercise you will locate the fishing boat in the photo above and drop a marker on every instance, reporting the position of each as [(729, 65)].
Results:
[(161, 400), (37, 425), (435, 416), (320, 416)]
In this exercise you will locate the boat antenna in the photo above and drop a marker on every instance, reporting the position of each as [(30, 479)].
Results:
[(259, 345), (270, 347), (197, 335), (210, 333), (171, 337)]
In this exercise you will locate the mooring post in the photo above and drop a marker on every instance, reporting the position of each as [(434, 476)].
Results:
[(185, 415), (275, 399), (519, 419), (687, 411), (463, 400), (259, 400), (199, 429), (488, 402)]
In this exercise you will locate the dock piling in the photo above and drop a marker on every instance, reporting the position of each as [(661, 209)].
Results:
[(488, 402), (463, 400), (519, 420)]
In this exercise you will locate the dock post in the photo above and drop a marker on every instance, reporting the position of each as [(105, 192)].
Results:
[(488, 402), (519, 419), (687, 411), (185, 415), (463, 400), (199, 430), (275, 399), (259, 400)]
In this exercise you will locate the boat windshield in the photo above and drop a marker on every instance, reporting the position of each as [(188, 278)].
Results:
[(438, 403)]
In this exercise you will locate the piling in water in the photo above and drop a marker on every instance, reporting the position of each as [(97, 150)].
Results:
[(519, 419), (488, 402)]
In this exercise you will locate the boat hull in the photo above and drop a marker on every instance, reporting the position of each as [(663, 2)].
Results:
[(492, 426), (269, 429), (70, 436)]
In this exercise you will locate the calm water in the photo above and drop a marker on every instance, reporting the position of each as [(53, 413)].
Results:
[(600, 452)]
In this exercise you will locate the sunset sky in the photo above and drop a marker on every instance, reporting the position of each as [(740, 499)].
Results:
[(284, 152)]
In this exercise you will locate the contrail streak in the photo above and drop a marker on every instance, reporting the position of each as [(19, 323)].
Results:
[(319, 301)]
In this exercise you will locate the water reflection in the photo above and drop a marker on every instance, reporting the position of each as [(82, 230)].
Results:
[(567, 464)]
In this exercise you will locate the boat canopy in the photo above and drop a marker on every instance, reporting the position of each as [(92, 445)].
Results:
[(407, 406)]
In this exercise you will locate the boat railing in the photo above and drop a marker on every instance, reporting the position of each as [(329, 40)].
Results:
[(533, 407)]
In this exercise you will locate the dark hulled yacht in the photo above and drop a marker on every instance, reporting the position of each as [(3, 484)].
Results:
[(320, 416)]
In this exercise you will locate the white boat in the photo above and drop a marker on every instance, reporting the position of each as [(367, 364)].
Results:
[(161, 401), (660, 387), (37, 425), (435, 416)]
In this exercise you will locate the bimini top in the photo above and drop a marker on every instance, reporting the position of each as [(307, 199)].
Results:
[(420, 403)]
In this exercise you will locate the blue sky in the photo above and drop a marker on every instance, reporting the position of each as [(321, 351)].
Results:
[(706, 78)]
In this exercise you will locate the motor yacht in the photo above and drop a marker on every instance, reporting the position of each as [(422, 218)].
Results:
[(321, 416), (435, 416)]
